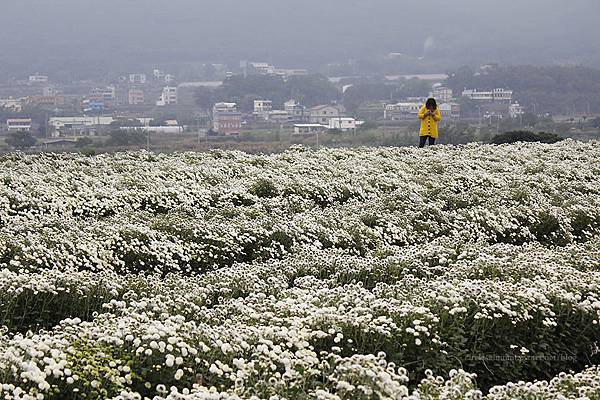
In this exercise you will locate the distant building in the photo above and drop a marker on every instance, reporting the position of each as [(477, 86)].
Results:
[(158, 74), (286, 73), (78, 125), (103, 95), (37, 78), (278, 116), (515, 110), (304, 129), (343, 124), (496, 95), (403, 110), (450, 110), (474, 94), (95, 106), (137, 79), (18, 124), (502, 95), (50, 101), (322, 114), (169, 78), (260, 68), (226, 119), (50, 91), (442, 94), (262, 108), (168, 97), (15, 105), (166, 129), (136, 96), (296, 111)]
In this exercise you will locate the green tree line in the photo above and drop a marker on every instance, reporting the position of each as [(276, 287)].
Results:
[(309, 90), (553, 89)]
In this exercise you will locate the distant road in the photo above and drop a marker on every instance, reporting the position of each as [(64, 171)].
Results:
[(425, 77)]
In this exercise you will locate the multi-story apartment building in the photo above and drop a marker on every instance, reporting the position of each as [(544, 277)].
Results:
[(401, 110), (137, 79), (103, 95), (441, 93), (37, 78), (496, 95), (136, 96), (18, 124), (296, 111), (322, 114), (226, 119), (168, 97), (262, 108)]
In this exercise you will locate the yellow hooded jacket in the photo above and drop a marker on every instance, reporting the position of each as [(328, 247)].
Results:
[(429, 123)]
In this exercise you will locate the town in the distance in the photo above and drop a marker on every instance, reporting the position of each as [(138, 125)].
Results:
[(256, 102)]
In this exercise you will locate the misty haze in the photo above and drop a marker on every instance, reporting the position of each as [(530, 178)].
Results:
[(278, 200)]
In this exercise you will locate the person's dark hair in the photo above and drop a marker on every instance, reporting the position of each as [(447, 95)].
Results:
[(431, 103)]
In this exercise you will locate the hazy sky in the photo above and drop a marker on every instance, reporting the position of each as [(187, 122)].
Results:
[(39, 33)]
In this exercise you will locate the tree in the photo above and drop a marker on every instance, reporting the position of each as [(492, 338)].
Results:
[(525, 136), (530, 120), (309, 90), (126, 137), (20, 140), (84, 142), (205, 97)]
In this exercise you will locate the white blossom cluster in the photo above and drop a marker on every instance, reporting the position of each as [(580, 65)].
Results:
[(336, 274)]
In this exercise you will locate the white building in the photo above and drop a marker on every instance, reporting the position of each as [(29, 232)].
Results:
[(497, 95), (18, 124), (450, 110), (441, 93), (15, 105), (296, 111), (304, 129), (37, 78), (261, 68), (78, 125), (515, 110), (278, 116), (343, 124), (262, 108), (158, 74), (322, 114), (402, 110), (286, 73), (502, 95), (169, 78), (137, 79), (478, 95), (167, 129), (168, 97)]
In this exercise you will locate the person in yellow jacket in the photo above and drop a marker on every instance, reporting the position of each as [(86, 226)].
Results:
[(429, 116)]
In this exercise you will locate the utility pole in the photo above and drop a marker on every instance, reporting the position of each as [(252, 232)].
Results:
[(498, 124), (198, 128)]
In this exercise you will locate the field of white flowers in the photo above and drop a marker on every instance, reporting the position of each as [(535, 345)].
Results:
[(383, 273)]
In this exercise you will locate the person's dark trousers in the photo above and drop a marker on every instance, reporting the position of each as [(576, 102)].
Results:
[(423, 140)]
